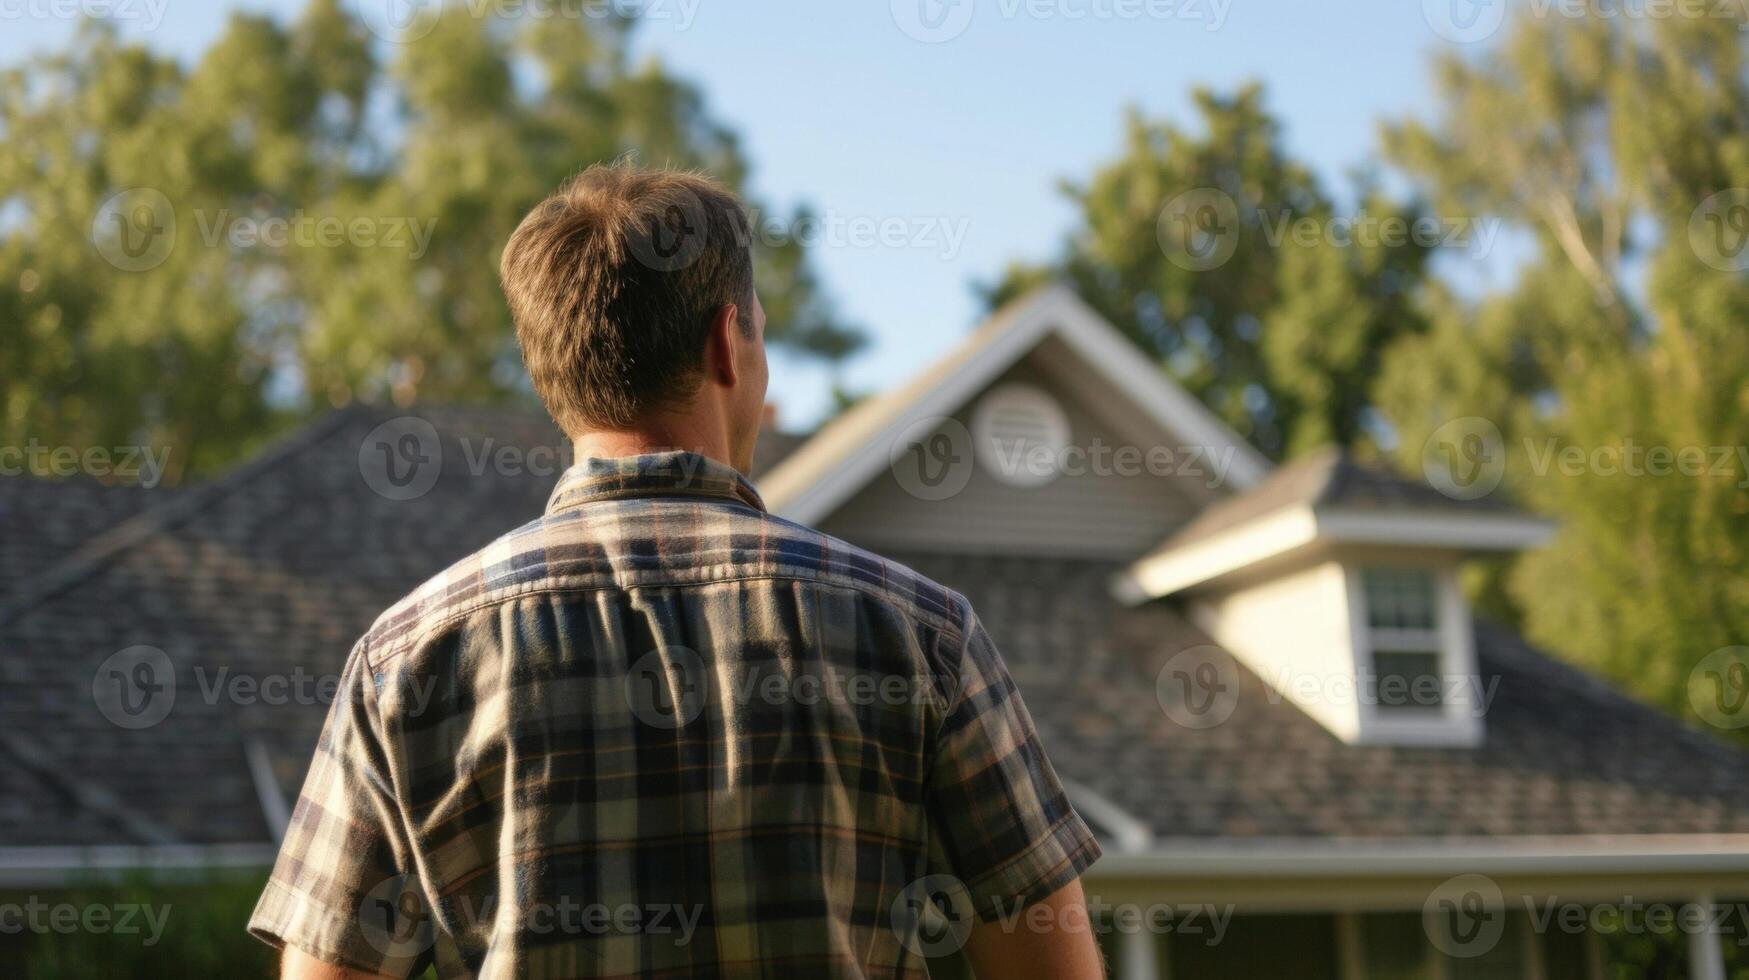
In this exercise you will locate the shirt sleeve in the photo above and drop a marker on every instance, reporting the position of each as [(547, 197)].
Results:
[(342, 890), (1001, 822)]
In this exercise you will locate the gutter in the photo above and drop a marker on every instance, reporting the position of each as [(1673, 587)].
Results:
[(1350, 858), (52, 866)]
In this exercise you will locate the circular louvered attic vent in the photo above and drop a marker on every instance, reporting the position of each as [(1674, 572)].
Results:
[(1020, 433)]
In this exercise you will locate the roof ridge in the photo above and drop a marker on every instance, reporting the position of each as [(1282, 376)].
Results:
[(106, 545)]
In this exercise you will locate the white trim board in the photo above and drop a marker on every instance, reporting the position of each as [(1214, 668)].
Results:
[(847, 454), (1293, 528)]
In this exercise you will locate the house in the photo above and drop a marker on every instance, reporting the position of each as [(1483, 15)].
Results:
[(1262, 685)]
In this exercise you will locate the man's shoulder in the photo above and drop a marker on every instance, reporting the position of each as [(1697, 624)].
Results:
[(814, 553), (579, 553)]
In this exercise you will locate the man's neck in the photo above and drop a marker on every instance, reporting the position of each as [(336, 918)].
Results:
[(660, 436)]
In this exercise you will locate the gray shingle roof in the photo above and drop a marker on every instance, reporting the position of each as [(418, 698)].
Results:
[(44, 520), (275, 571), (1563, 754), (270, 572)]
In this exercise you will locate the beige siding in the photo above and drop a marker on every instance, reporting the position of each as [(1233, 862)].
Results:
[(1090, 514)]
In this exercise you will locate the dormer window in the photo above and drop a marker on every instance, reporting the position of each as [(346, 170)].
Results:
[(1403, 639), (1337, 585)]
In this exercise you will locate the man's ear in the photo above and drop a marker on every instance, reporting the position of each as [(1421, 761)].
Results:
[(723, 344)]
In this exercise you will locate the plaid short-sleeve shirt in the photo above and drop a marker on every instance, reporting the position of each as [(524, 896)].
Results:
[(659, 732)]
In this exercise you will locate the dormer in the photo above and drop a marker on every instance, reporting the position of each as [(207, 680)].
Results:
[(1337, 584)]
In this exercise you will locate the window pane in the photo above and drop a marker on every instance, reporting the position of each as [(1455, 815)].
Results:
[(1408, 680), (1399, 598)]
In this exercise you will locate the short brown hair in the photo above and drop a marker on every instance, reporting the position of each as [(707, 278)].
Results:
[(613, 281)]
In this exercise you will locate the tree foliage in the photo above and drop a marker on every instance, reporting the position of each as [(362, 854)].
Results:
[(1607, 141), (309, 216), (1283, 335)]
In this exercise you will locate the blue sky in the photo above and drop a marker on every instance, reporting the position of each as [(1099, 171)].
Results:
[(955, 137)]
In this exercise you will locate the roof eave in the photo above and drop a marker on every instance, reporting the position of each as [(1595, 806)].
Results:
[(1285, 532)]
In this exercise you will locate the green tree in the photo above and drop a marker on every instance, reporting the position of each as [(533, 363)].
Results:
[(139, 305), (1281, 326), (1606, 141)]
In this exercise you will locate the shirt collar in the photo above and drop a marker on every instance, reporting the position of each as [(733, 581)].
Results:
[(672, 474)]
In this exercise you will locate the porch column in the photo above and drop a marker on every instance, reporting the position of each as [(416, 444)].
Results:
[(1706, 959), (1137, 957)]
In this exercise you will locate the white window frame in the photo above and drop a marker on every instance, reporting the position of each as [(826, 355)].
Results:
[(1459, 720)]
